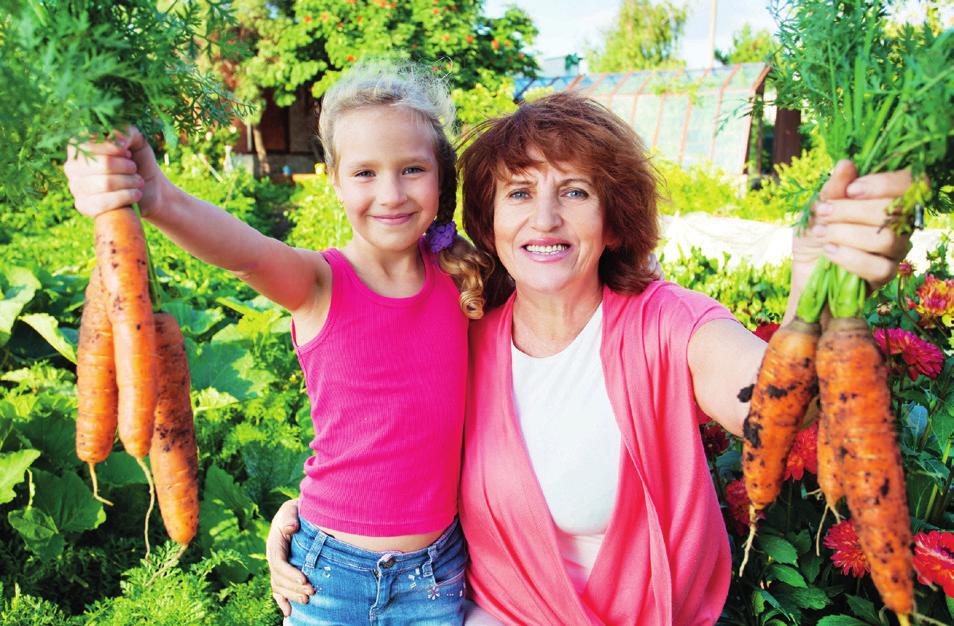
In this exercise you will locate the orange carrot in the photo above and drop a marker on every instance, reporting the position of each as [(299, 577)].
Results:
[(96, 393), (173, 452), (829, 466), (785, 386), (855, 395), (121, 253)]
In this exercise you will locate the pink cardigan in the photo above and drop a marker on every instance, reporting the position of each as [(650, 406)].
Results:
[(665, 559)]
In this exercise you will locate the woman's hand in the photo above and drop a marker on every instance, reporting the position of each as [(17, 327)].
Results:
[(115, 174), (288, 583), (849, 226)]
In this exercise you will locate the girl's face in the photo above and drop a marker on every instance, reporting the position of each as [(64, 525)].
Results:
[(549, 230), (386, 176)]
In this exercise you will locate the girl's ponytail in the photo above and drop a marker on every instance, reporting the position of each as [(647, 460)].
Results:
[(460, 259)]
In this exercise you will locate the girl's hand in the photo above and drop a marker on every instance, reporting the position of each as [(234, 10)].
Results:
[(115, 174), (848, 226), (288, 583)]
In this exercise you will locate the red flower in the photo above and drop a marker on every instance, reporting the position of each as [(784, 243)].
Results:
[(765, 331), (935, 304), (885, 308), (843, 539), (738, 500), (714, 439), (350, 58), (307, 18), (934, 559), (519, 55), (905, 269), (804, 454), (921, 357)]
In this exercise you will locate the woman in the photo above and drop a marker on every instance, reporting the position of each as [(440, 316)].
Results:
[(585, 494)]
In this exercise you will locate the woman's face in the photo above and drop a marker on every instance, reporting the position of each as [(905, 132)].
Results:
[(549, 230)]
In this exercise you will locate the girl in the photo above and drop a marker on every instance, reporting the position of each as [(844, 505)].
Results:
[(378, 331)]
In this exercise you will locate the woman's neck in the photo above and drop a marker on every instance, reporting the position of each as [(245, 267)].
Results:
[(544, 325)]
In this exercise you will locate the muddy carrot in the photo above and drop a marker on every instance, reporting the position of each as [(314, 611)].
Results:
[(855, 395), (121, 255), (96, 393), (173, 451)]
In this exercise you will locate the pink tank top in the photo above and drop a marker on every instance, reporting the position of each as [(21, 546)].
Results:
[(386, 379)]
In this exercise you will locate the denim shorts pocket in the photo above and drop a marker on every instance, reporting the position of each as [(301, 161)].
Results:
[(305, 547)]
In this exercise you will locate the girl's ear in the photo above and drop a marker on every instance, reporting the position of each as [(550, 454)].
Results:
[(335, 183)]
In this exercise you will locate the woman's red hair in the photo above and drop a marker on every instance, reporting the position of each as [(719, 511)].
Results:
[(566, 128)]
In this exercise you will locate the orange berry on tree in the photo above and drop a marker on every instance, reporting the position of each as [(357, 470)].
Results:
[(495, 44), (307, 18), (470, 39), (519, 55), (350, 58), (437, 11), (360, 18), (446, 37)]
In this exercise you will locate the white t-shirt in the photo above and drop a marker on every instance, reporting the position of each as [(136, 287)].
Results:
[(573, 441)]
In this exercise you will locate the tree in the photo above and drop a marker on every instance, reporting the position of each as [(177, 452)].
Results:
[(308, 43), (645, 35), (748, 46)]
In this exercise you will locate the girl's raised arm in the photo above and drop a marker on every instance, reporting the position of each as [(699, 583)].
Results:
[(111, 175)]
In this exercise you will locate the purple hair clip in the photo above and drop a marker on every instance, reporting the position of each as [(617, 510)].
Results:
[(440, 236)]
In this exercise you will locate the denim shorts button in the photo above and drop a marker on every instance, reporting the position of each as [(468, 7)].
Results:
[(388, 563)]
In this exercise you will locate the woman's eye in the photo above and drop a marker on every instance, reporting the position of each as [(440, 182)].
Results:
[(577, 193), (518, 194)]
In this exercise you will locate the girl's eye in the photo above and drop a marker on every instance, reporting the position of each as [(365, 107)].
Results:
[(414, 169), (364, 174)]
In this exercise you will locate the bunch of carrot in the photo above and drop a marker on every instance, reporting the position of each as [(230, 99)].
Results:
[(133, 376), (858, 454)]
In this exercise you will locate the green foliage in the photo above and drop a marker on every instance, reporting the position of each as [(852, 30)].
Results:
[(318, 220), (645, 35), (76, 68), (754, 295), (883, 101), (748, 46), (308, 43)]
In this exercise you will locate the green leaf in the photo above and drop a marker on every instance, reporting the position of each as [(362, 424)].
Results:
[(18, 286), (807, 598), (120, 469), (864, 608), (52, 432), (68, 501), (38, 530), (226, 522), (13, 466), (193, 322), (786, 574), (228, 368), (841, 620), (62, 341), (779, 549), (950, 606), (810, 565), (210, 398), (801, 540)]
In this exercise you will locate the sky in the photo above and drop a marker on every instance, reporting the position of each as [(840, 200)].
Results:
[(566, 26)]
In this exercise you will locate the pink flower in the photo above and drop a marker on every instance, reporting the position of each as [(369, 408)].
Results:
[(738, 501), (765, 331), (804, 454), (934, 559), (920, 356), (843, 539), (905, 269), (935, 304)]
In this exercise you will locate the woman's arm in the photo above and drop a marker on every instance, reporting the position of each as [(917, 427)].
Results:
[(848, 228), (116, 174), (288, 583)]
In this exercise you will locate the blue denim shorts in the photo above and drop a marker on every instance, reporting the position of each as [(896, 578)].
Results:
[(355, 586)]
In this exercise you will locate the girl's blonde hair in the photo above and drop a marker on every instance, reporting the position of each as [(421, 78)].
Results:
[(389, 83)]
